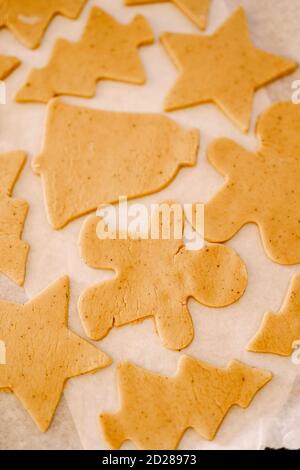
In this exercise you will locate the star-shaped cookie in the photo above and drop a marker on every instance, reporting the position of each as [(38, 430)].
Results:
[(156, 410), (7, 66), (195, 10), (28, 19), (214, 276), (106, 50), (261, 187), (224, 68), (278, 332), (13, 250), (42, 353)]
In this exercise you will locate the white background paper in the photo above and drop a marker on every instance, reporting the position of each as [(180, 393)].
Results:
[(220, 334)]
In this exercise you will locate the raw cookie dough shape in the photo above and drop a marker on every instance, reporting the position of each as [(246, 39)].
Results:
[(195, 10), (278, 332), (157, 410), (155, 278), (13, 212), (224, 68), (42, 353), (261, 187), (28, 19), (92, 157), (107, 50), (7, 66)]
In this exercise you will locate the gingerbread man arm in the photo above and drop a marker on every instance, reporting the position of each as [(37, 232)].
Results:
[(224, 213), (97, 252), (103, 305), (99, 306), (281, 237), (225, 155)]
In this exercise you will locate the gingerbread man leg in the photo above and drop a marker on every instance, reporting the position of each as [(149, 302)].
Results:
[(174, 324)]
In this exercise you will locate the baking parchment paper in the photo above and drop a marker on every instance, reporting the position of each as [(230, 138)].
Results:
[(220, 334)]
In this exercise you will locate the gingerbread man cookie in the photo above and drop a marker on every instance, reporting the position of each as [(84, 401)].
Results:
[(261, 187), (214, 276)]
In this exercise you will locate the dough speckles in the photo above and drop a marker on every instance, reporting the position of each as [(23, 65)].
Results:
[(13, 212), (224, 68), (261, 187), (107, 50), (155, 278), (42, 353), (29, 19), (156, 410), (92, 157)]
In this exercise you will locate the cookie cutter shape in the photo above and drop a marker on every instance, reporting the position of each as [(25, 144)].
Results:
[(42, 353), (261, 187), (29, 19), (92, 157), (224, 68), (107, 50), (7, 66), (214, 276), (195, 10), (13, 212), (156, 410), (278, 332)]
